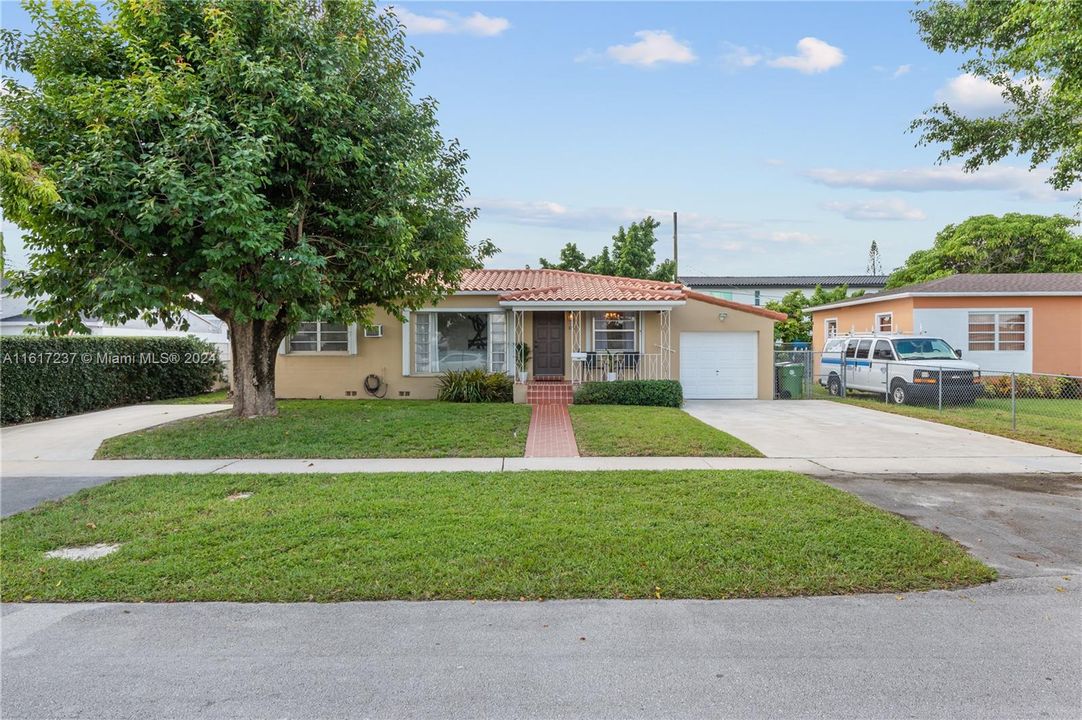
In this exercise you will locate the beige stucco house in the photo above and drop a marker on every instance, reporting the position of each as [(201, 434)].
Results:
[(579, 328)]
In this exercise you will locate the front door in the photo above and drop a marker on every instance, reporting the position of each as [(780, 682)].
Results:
[(548, 344)]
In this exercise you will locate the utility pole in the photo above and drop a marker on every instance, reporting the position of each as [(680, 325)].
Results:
[(675, 252)]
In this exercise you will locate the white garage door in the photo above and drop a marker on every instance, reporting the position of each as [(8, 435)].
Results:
[(719, 365)]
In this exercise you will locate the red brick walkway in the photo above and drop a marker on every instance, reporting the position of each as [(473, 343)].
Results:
[(550, 433)]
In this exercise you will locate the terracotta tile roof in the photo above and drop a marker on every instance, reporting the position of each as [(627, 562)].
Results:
[(566, 286)]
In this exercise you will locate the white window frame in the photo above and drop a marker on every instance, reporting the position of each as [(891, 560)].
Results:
[(428, 315), (826, 328), (879, 324), (1027, 323), (636, 332), (351, 341)]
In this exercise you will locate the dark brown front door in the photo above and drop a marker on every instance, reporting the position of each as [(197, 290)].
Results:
[(548, 344)]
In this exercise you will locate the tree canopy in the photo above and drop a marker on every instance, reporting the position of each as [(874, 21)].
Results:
[(1012, 243), (798, 326), (264, 162), (632, 255), (1033, 52)]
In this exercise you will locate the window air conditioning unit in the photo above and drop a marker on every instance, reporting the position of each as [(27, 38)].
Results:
[(373, 331)]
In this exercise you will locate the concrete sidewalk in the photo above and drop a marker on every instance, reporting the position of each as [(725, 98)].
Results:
[(1009, 649), (820, 466)]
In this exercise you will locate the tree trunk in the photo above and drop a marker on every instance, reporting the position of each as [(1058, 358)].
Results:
[(255, 350)]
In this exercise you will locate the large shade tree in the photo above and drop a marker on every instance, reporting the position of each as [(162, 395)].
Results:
[(262, 161), (1011, 243), (1031, 51)]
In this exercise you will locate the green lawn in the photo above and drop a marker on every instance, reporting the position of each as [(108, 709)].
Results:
[(473, 535), (338, 429), (606, 430), (218, 396), (1053, 423)]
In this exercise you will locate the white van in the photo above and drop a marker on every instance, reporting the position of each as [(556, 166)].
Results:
[(908, 368)]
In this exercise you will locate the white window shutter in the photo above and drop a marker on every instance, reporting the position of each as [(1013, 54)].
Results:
[(352, 339)]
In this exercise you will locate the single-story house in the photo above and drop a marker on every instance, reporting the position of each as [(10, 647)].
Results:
[(760, 289), (1024, 322), (579, 328)]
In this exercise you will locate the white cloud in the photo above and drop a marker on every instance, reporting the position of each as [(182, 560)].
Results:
[(774, 162), (545, 213), (787, 237), (1026, 184), (970, 94), (445, 22), (700, 234), (878, 209), (480, 24), (813, 56), (738, 57), (651, 48), (902, 70)]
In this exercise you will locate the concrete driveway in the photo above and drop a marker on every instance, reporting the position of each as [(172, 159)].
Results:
[(77, 437), (845, 438)]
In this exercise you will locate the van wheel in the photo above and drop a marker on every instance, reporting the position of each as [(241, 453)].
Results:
[(834, 385), (898, 393)]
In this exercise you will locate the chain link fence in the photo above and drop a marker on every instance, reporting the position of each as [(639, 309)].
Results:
[(1036, 407)]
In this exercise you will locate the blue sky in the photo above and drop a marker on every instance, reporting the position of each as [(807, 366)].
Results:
[(777, 130)]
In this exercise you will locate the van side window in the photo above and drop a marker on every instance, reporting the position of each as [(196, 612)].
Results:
[(882, 351), (851, 349), (862, 350)]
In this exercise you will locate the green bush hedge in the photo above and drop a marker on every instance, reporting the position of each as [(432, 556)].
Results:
[(473, 386), (1033, 386), (663, 393), (44, 377)]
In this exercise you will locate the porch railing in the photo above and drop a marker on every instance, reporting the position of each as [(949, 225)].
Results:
[(599, 366)]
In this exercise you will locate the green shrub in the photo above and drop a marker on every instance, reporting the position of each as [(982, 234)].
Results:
[(1048, 387), (474, 386), (662, 393), (44, 377)]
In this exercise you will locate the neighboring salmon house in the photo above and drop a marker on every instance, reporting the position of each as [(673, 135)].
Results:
[(578, 327), (1023, 322)]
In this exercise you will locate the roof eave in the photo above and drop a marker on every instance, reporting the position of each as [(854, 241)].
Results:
[(591, 304), (866, 299)]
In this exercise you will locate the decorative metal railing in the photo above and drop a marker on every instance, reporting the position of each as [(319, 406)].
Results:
[(601, 366)]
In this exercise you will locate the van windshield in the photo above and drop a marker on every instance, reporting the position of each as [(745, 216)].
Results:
[(923, 349)]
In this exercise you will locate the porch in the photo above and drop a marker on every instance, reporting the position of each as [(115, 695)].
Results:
[(575, 345)]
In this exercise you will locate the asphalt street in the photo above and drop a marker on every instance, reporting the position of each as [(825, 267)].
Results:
[(22, 493), (1011, 649)]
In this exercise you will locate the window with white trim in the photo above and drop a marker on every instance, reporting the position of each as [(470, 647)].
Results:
[(997, 331), (453, 340), (615, 331), (831, 327), (319, 336), (884, 322)]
